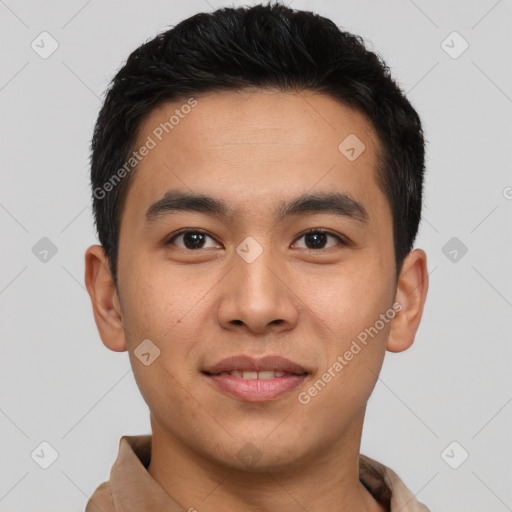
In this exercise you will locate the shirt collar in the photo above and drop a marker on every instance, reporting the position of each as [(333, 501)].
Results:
[(132, 489)]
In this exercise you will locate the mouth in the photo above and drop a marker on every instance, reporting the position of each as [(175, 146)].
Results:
[(254, 375), (256, 380)]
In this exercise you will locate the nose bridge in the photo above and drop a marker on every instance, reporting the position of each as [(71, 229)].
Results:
[(253, 267), (256, 294)]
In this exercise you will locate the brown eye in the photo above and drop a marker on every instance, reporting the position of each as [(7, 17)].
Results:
[(318, 238), (191, 239)]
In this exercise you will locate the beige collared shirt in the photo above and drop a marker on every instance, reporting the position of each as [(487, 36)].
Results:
[(132, 489)]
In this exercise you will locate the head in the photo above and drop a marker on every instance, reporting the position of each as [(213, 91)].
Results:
[(250, 110)]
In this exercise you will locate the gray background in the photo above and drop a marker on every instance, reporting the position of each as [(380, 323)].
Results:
[(59, 384)]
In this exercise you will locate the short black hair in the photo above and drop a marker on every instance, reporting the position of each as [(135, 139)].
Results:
[(263, 46)]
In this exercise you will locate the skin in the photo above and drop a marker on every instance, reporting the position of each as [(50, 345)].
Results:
[(254, 149)]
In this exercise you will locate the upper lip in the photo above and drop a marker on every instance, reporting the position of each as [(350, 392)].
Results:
[(243, 362)]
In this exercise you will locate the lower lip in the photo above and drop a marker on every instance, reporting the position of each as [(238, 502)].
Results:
[(256, 390)]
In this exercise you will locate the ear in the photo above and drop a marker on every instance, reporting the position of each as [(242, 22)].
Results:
[(410, 296), (105, 302)]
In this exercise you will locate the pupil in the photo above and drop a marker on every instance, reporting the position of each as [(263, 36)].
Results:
[(193, 240), (195, 237), (315, 236)]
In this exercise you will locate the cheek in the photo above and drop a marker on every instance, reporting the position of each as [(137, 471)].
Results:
[(158, 303), (348, 300), (160, 311), (355, 309), (169, 310)]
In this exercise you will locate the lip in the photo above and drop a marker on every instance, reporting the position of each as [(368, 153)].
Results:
[(256, 390), (244, 362)]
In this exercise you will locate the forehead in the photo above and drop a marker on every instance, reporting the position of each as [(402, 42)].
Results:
[(253, 146)]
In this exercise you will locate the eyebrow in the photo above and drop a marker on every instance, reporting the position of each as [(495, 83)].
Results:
[(334, 203)]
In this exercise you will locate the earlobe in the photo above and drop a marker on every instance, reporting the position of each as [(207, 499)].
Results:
[(105, 302), (410, 298)]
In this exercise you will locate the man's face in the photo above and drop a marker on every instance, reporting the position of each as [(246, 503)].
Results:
[(211, 294)]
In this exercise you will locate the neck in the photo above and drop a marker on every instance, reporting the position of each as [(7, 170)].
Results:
[(326, 480)]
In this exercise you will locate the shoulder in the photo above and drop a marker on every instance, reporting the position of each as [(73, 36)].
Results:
[(101, 500), (387, 487)]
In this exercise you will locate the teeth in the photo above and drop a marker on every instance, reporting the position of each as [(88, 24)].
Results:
[(266, 374)]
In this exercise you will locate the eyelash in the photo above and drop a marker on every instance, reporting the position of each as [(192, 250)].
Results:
[(340, 239)]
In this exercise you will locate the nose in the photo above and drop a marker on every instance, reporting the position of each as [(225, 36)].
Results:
[(257, 296)]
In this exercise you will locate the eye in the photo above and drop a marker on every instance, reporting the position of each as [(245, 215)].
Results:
[(195, 239), (192, 239), (316, 238)]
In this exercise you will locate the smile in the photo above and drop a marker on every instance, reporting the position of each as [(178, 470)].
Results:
[(251, 386)]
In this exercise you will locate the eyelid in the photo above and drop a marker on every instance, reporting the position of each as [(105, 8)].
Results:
[(187, 230), (342, 239)]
